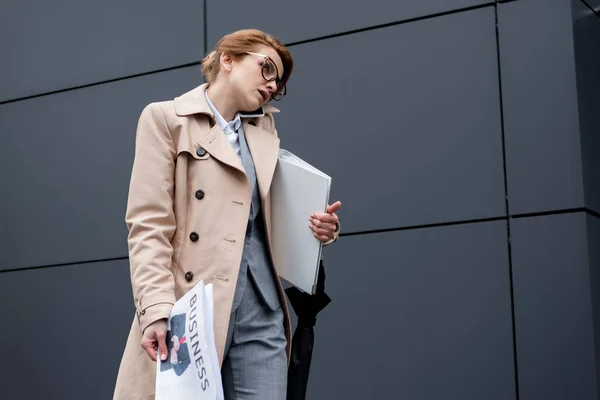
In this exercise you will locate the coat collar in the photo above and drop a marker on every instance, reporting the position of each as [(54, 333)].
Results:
[(194, 102), (263, 145)]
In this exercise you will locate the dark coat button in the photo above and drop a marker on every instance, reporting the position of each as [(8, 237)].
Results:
[(199, 194), (189, 276), (200, 152), (194, 236)]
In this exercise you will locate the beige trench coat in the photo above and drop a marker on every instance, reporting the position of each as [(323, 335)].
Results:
[(187, 214)]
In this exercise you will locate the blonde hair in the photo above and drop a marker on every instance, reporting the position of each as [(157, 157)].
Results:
[(237, 44)]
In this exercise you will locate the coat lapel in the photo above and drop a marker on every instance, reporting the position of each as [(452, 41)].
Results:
[(216, 143), (264, 147)]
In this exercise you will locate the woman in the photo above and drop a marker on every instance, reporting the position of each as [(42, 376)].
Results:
[(198, 209)]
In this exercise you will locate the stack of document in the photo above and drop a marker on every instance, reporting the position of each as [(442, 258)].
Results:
[(191, 370), (298, 190)]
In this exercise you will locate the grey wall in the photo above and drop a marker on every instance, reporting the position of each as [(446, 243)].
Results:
[(462, 139)]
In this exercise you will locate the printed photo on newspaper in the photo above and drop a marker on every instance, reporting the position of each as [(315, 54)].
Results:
[(191, 370)]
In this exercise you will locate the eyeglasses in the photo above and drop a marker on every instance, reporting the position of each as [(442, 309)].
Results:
[(270, 73)]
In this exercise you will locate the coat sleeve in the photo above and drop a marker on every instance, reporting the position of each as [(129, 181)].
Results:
[(150, 217)]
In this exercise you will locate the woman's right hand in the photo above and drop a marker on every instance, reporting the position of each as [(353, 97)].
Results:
[(155, 337)]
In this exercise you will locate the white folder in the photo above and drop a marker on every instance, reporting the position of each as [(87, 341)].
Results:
[(298, 190)]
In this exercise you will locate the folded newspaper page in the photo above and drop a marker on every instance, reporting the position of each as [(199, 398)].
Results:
[(191, 370)]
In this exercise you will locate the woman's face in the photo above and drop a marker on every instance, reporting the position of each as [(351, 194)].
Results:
[(246, 77)]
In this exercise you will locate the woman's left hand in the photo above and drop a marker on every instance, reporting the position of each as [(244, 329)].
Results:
[(325, 225)]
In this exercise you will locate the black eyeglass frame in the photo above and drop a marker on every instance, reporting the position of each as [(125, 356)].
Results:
[(280, 94)]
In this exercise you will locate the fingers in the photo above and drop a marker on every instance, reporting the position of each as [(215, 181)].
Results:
[(321, 238), (334, 207), (327, 218), (321, 231), (324, 232), (149, 347), (322, 227), (162, 344), (155, 335)]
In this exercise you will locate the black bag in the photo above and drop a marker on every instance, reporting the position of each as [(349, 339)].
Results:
[(306, 307)]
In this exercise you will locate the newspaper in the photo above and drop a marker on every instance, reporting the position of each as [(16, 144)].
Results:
[(191, 370)]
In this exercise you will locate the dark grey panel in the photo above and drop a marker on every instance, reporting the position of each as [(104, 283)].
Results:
[(543, 152), (593, 232), (64, 330), (594, 4), (553, 311), (405, 119), (65, 163), (586, 26), (301, 20), (47, 46), (417, 314)]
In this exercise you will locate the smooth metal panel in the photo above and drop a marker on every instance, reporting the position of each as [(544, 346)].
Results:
[(553, 308), (418, 314), (543, 149), (405, 119), (593, 238), (65, 162), (586, 28), (308, 19), (54, 45), (64, 330)]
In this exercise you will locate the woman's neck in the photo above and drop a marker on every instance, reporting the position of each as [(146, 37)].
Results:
[(222, 101)]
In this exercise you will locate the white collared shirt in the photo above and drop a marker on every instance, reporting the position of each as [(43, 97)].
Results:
[(229, 128)]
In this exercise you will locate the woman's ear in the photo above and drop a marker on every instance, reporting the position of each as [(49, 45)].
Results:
[(226, 62)]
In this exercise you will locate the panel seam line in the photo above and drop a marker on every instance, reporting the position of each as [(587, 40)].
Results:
[(507, 206), (290, 44)]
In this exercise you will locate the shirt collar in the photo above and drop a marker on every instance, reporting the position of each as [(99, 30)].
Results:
[(225, 126), (194, 102)]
